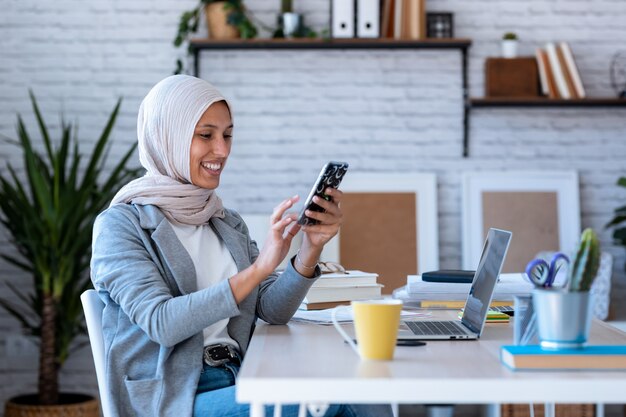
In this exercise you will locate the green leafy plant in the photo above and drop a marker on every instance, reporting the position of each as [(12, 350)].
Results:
[(238, 16), (49, 212), (619, 233), (584, 267), (509, 36)]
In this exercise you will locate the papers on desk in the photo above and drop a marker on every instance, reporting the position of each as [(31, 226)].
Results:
[(344, 315)]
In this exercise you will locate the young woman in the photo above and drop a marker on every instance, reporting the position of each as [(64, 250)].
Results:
[(182, 281)]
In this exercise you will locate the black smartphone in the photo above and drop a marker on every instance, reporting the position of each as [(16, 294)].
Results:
[(330, 176)]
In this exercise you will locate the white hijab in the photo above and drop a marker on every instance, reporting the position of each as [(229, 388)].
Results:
[(167, 119)]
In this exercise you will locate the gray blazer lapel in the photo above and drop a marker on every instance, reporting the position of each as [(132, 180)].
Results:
[(175, 256)]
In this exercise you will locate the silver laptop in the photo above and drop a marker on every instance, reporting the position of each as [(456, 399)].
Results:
[(478, 299)]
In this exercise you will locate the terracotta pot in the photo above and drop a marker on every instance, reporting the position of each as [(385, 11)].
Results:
[(216, 21), (73, 405)]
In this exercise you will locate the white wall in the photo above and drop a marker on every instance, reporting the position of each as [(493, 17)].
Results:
[(384, 111)]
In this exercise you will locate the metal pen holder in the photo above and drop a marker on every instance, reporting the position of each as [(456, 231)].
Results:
[(524, 321), (563, 318)]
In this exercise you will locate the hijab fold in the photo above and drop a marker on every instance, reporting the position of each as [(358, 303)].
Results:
[(167, 119)]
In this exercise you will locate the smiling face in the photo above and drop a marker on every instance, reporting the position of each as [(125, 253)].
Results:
[(210, 146)]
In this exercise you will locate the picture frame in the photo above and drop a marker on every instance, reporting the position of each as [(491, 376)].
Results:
[(541, 208), (439, 25), (390, 226)]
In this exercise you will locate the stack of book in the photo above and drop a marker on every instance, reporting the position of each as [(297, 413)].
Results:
[(403, 19), (339, 288), (558, 73), (453, 295)]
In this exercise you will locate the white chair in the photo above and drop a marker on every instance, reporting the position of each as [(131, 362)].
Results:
[(93, 306)]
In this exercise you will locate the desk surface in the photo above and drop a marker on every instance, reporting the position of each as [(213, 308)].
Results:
[(311, 363)]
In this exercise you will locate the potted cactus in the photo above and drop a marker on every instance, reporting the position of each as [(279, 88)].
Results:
[(564, 313)]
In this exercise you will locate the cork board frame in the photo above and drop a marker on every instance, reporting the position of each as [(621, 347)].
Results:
[(390, 226), (541, 208)]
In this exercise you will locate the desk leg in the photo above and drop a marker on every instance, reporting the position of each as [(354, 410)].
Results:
[(549, 410), (257, 410)]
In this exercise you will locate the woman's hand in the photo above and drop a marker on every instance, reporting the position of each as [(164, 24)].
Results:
[(282, 231), (316, 236), (329, 220)]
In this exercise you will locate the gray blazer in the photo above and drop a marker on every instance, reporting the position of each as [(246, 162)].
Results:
[(154, 315)]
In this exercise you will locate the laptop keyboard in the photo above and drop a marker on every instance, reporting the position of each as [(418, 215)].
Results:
[(435, 328)]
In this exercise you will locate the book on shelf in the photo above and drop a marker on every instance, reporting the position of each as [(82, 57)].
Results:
[(566, 72), (546, 77), (387, 19), (534, 357), (557, 71), (349, 278), (342, 293), (572, 69), (404, 19)]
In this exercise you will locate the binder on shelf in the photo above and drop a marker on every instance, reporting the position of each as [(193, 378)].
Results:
[(342, 19), (397, 18), (609, 357), (387, 19), (367, 19)]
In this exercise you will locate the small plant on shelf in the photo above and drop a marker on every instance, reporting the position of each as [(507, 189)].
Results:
[(226, 19), (509, 45), (509, 36)]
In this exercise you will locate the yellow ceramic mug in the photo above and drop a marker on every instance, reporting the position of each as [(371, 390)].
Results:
[(376, 324)]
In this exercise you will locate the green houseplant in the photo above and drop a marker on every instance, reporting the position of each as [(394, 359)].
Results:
[(564, 314), (49, 212), (619, 218), (237, 22)]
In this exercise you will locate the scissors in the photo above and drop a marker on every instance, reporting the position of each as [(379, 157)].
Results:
[(543, 274)]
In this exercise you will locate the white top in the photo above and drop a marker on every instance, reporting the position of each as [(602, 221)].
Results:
[(213, 263)]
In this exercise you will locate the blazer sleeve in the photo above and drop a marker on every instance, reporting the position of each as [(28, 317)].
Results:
[(280, 295), (123, 264)]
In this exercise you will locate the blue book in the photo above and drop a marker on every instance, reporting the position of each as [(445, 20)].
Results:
[(609, 357)]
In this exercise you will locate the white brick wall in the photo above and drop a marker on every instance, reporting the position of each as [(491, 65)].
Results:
[(386, 111)]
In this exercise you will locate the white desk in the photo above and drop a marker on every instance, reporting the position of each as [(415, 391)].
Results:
[(301, 363)]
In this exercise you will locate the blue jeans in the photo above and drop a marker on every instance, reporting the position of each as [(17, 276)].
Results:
[(215, 397)]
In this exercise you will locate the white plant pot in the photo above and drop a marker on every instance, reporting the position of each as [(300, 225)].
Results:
[(291, 23), (509, 48)]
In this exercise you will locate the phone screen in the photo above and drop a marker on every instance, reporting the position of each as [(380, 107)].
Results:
[(330, 176)]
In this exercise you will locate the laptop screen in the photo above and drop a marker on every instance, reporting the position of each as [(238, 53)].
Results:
[(485, 279)]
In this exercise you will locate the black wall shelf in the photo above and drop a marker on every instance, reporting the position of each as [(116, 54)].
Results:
[(461, 44), (546, 102)]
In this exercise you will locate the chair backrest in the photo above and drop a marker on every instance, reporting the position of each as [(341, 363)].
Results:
[(93, 307)]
